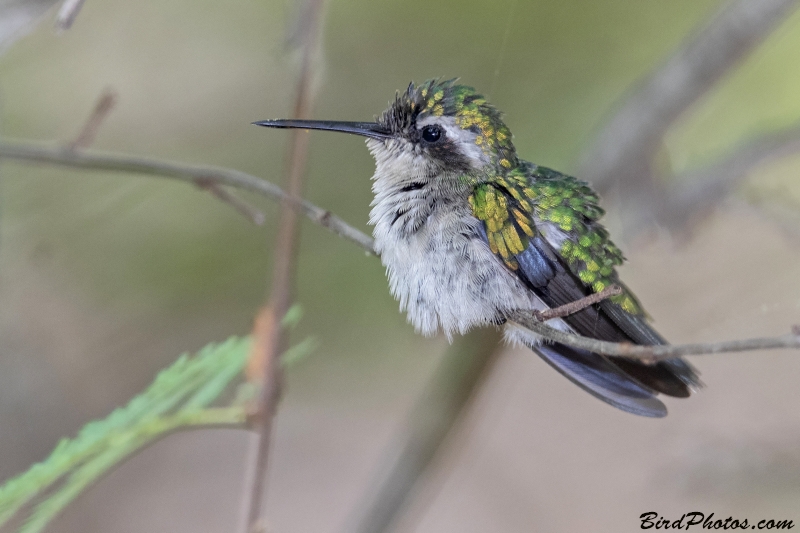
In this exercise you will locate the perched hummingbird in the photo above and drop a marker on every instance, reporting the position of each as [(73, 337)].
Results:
[(469, 233)]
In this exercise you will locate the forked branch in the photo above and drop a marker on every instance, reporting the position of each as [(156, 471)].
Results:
[(31, 152)]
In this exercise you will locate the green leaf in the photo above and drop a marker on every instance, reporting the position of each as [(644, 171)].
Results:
[(175, 400), (178, 399), (292, 316)]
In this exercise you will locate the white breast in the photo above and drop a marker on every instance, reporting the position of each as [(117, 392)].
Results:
[(439, 268), (444, 276)]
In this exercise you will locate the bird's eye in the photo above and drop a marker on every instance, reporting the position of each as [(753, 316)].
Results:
[(431, 134)]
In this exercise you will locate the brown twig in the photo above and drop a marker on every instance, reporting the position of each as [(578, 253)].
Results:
[(105, 103), (654, 353), (573, 307), (222, 194), (27, 151), (267, 353), (67, 13), (124, 163)]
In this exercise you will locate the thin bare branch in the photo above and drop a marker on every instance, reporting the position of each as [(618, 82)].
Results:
[(283, 278), (31, 152), (125, 163), (655, 353), (105, 103), (415, 447), (624, 149), (67, 13), (222, 194), (573, 307), (263, 369)]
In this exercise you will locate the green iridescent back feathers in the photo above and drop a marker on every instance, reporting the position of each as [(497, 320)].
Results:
[(513, 195)]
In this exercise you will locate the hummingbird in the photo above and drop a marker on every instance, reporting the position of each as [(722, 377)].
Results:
[(469, 233)]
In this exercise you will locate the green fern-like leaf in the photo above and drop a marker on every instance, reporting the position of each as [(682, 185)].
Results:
[(178, 399)]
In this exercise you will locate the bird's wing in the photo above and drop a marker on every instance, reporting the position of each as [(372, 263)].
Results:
[(544, 226)]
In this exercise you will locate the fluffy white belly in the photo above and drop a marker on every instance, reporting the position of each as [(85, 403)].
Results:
[(446, 277)]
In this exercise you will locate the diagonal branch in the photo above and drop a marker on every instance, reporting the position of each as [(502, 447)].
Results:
[(193, 174), (67, 14), (578, 305), (437, 410), (223, 195), (624, 149), (20, 17), (104, 105), (31, 152)]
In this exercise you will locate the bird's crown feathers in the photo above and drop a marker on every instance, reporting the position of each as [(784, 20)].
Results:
[(469, 109)]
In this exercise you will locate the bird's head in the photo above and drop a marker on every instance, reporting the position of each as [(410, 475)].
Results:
[(438, 125)]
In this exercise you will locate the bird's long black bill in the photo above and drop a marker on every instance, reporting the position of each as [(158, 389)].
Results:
[(365, 129)]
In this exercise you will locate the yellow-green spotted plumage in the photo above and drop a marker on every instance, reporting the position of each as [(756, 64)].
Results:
[(511, 204), (470, 233)]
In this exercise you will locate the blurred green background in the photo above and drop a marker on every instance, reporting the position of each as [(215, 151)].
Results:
[(108, 277)]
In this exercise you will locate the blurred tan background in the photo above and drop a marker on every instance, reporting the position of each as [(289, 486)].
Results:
[(106, 278)]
